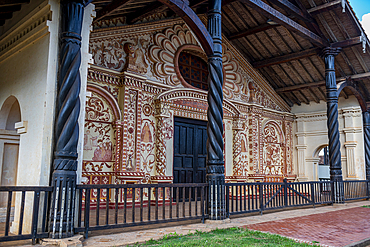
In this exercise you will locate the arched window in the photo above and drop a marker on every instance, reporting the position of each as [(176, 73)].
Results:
[(194, 70)]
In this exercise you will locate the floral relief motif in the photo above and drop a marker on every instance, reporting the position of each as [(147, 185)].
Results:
[(110, 52), (164, 133), (273, 152), (131, 130)]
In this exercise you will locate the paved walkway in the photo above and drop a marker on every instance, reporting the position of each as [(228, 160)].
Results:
[(337, 225)]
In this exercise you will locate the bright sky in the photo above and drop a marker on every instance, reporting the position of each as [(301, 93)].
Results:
[(362, 9)]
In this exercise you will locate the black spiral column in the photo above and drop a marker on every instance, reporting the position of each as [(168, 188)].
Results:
[(66, 123), (366, 124), (215, 144), (333, 128)]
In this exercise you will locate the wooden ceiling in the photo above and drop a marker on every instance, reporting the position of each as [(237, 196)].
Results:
[(8, 7), (282, 39)]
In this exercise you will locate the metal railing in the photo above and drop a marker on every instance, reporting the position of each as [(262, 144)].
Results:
[(30, 200), (355, 190), (244, 198), (118, 206)]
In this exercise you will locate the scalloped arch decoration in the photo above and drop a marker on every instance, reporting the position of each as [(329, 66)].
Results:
[(163, 55)]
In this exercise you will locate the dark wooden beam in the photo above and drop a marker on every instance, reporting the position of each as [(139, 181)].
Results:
[(321, 83), (6, 16), (292, 9), (2, 22), (12, 2), (192, 20), (111, 7), (10, 9), (325, 7), (253, 30), (305, 53), (270, 12), (286, 58), (151, 9)]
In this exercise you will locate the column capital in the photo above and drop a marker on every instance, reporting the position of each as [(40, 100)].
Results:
[(330, 51)]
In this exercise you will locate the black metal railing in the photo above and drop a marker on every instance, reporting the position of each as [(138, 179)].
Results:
[(244, 198), (25, 200), (355, 190), (117, 206)]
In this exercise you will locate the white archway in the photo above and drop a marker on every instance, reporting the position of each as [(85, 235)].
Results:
[(10, 114)]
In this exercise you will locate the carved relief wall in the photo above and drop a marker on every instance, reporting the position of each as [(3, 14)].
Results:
[(138, 67)]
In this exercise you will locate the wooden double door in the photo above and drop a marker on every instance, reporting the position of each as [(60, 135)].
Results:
[(190, 141)]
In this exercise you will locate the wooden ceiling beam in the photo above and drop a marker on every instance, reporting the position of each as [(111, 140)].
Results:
[(305, 53), (111, 7), (292, 9), (6, 16), (151, 9), (325, 7), (10, 9), (321, 83), (270, 12), (4, 3), (251, 31), (286, 58)]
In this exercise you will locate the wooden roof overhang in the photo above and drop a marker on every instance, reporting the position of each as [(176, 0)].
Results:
[(8, 7), (282, 39)]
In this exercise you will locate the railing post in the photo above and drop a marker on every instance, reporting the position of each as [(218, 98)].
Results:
[(260, 188), (285, 192), (66, 132), (215, 144), (35, 215), (227, 191), (313, 193)]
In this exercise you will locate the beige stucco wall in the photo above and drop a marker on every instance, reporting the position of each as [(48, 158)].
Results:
[(310, 136)]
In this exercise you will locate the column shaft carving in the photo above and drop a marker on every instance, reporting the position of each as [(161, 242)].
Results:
[(66, 124), (332, 114), (215, 145), (366, 124), (333, 127)]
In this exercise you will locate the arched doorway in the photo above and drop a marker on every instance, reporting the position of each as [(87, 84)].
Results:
[(322, 173), (10, 114)]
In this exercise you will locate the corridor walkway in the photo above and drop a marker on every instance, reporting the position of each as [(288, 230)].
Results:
[(337, 225)]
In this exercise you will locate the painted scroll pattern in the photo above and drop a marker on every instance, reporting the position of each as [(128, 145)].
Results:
[(131, 130), (273, 153), (164, 133), (99, 142), (148, 136)]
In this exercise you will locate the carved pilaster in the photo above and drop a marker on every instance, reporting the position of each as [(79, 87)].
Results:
[(161, 114), (237, 148), (215, 145), (66, 124), (366, 124)]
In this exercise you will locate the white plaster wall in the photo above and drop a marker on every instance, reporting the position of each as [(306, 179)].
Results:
[(310, 135)]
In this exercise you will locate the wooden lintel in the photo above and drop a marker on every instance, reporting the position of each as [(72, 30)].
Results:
[(12, 2), (286, 58), (253, 30), (320, 83), (283, 20), (111, 7), (325, 7), (305, 53)]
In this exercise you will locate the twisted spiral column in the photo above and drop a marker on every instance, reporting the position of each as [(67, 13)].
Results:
[(332, 114), (66, 124), (366, 124), (215, 144)]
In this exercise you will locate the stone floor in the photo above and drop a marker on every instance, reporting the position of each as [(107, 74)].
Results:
[(338, 225)]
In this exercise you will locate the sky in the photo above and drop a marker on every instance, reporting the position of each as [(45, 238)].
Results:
[(362, 10)]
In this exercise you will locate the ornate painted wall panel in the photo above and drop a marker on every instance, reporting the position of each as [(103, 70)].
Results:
[(138, 67)]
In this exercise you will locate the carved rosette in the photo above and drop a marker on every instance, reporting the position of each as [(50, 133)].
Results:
[(332, 113)]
